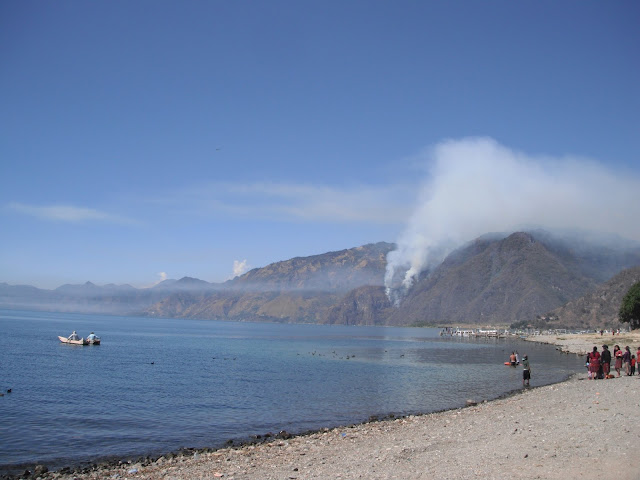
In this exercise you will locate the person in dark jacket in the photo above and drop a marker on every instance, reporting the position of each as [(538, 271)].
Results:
[(605, 358)]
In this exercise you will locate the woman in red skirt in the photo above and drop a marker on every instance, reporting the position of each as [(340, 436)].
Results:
[(617, 353), (594, 363)]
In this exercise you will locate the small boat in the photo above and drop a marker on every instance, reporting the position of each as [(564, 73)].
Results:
[(81, 341)]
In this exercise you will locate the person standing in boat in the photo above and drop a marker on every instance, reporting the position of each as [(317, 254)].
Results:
[(526, 372), (73, 336)]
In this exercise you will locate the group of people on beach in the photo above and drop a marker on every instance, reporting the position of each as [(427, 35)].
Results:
[(599, 364)]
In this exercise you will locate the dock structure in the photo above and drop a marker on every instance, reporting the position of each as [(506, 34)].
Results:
[(474, 332)]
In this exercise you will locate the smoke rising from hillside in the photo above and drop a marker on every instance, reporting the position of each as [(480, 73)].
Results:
[(476, 185), (239, 267)]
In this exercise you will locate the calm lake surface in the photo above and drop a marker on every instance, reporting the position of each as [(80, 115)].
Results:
[(156, 385)]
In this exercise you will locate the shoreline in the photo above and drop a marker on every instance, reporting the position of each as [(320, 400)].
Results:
[(91, 468), (572, 429)]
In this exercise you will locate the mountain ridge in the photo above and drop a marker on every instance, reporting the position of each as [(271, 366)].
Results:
[(499, 278)]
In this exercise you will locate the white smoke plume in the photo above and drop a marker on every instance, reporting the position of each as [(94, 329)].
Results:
[(163, 276), (476, 186), (240, 267)]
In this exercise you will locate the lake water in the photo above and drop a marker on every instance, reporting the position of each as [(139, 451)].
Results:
[(156, 385)]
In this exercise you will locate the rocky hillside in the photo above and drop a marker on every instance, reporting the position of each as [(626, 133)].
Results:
[(296, 290), (495, 282), (328, 272), (597, 310), (366, 305), (491, 281)]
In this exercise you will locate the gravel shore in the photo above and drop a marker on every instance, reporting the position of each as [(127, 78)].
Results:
[(575, 429)]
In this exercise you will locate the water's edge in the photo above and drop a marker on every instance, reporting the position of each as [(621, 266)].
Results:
[(9, 472)]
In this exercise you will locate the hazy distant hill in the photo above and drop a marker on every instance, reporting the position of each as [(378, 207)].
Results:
[(84, 298)]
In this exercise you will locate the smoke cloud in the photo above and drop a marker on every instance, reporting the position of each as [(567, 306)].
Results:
[(239, 267), (476, 186)]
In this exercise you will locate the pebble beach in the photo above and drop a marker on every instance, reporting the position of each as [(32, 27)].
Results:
[(579, 428)]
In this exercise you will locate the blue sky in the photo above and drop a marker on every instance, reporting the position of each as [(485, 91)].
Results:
[(147, 139)]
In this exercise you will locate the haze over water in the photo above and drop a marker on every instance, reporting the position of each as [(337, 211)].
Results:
[(156, 385)]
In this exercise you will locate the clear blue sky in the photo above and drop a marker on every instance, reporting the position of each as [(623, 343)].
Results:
[(140, 137)]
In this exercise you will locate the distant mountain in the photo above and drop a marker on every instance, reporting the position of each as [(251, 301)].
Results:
[(87, 288), (296, 290), (84, 298), (164, 285), (23, 296), (498, 279), (190, 284)]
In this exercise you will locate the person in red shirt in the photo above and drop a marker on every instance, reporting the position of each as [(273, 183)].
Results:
[(594, 363)]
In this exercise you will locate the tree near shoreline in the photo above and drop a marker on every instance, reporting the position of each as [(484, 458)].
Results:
[(630, 307)]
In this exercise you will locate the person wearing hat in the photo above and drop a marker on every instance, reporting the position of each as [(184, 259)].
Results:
[(605, 358), (526, 373)]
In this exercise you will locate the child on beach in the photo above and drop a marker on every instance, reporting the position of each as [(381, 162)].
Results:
[(633, 364)]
